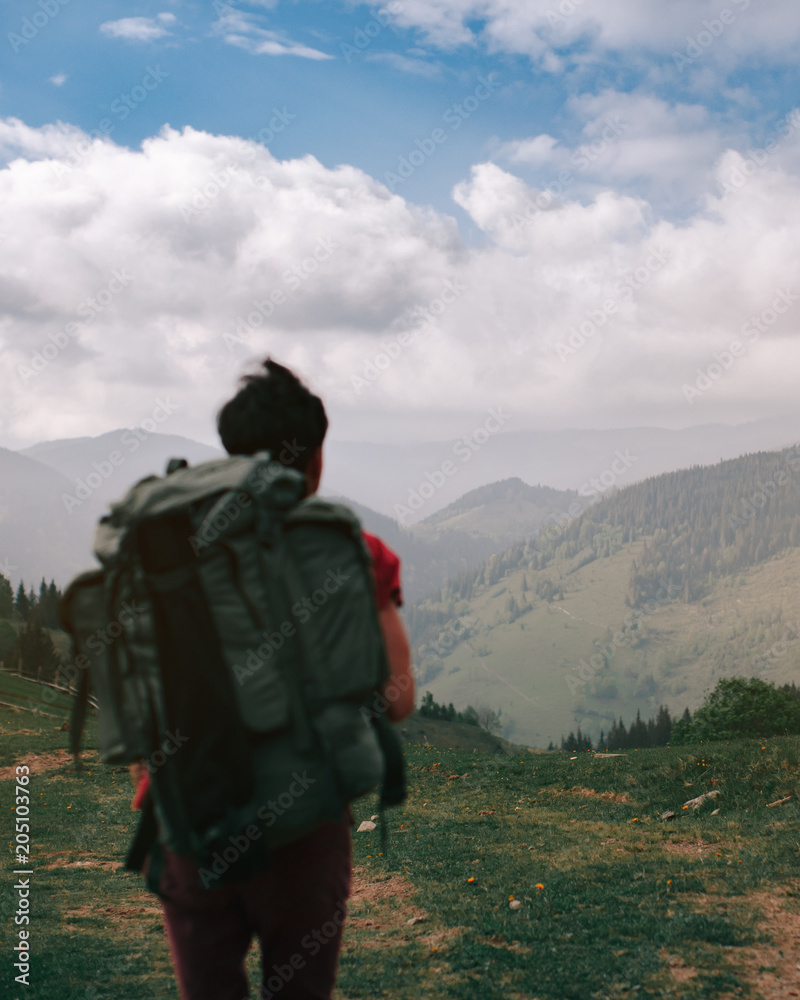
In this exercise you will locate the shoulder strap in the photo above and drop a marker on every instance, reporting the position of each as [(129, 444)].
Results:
[(77, 718)]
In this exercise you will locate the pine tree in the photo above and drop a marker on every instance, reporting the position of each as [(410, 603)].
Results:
[(22, 604), (37, 652), (6, 598), (53, 604)]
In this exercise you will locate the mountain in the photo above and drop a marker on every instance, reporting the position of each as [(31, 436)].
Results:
[(467, 532), (387, 477), (92, 472), (53, 493), (109, 464), (39, 536), (649, 597), (505, 512)]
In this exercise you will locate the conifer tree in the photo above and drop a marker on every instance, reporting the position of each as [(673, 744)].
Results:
[(22, 604), (6, 598)]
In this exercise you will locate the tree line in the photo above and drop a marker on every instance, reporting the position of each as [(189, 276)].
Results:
[(656, 732), (737, 708), (483, 716), (25, 623)]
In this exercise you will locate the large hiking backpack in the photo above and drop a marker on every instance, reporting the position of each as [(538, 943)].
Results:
[(233, 643)]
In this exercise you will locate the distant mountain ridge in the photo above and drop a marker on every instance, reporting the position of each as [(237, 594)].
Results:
[(460, 524), (509, 509), (76, 479), (385, 477)]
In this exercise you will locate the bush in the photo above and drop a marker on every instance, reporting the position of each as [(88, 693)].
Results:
[(740, 707)]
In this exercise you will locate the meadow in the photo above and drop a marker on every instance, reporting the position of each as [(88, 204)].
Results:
[(609, 900)]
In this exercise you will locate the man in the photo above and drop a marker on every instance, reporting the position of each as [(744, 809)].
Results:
[(296, 906)]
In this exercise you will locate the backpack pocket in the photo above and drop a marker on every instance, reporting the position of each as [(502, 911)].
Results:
[(98, 638)]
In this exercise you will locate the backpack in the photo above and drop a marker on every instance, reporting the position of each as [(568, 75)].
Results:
[(232, 640)]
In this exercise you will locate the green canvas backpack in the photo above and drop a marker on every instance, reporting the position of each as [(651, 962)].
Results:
[(233, 643)]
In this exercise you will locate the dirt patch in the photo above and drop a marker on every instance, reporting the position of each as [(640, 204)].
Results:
[(365, 891), (37, 763), (500, 942), (113, 913), (678, 969), (380, 913), (590, 793), (771, 969), (88, 863), (436, 939), (694, 847)]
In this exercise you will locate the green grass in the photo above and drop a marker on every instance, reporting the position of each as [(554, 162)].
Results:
[(623, 892), (29, 695)]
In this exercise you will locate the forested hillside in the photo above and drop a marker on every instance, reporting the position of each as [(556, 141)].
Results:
[(465, 534), (647, 598), (699, 524)]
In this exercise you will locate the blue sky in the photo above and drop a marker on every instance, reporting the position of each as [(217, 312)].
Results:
[(635, 116), (364, 87)]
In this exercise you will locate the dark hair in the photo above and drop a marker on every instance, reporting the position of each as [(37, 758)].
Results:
[(273, 411)]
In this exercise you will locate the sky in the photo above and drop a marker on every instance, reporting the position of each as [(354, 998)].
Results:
[(587, 213)]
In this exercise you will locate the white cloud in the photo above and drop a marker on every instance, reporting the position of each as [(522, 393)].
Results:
[(542, 29), (632, 142), (407, 64), (59, 79), (139, 29), (243, 31), (208, 226)]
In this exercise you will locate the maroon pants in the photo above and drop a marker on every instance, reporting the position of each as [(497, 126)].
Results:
[(296, 908)]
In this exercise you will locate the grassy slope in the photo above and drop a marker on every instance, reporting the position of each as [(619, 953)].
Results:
[(625, 897), (419, 731), (522, 667), (26, 694)]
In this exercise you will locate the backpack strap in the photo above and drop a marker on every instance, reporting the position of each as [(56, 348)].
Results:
[(77, 717), (393, 790), (144, 838)]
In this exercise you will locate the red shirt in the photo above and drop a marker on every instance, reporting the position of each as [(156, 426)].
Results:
[(386, 566)]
